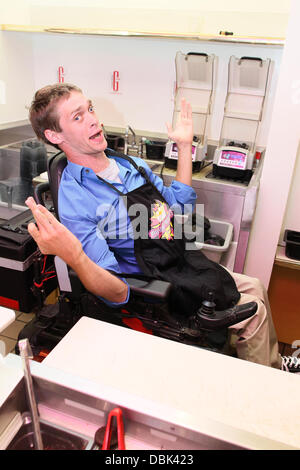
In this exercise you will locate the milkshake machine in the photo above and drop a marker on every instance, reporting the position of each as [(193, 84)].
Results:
[(248, 79), (194, 82)]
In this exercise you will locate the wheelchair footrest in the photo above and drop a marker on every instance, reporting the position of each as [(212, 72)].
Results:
[(48, 312)]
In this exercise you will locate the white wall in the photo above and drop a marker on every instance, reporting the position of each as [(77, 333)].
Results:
[(260, 18), (16, 76), (147, 75), (282, 149)]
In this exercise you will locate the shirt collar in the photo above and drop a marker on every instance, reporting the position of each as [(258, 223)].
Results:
[(76, 170)]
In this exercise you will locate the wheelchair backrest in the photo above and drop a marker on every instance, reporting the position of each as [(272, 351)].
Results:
[(55, 166)]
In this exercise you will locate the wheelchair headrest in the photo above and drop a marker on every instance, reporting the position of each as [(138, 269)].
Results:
[(56, 165)]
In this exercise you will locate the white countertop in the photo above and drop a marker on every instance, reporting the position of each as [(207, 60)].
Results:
[(10, 376), (189, 383), (7, 316)]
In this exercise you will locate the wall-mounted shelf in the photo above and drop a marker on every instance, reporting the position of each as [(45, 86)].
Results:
[(282, 260), (272, 41)]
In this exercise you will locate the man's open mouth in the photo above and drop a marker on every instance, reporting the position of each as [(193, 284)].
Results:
[(95, 136)]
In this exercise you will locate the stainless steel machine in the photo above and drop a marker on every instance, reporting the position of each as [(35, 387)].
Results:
[(194, 82), (248, 79)]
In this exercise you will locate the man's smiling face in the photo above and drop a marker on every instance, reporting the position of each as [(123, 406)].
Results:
[(81, 132)]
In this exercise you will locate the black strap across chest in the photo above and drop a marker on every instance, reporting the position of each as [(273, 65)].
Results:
[(139, 168)]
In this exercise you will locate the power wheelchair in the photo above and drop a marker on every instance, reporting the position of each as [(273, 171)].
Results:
[(147, 310)]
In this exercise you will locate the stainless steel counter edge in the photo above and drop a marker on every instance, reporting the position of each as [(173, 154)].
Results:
[(207, 426)]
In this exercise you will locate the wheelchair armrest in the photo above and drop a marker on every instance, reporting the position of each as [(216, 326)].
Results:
[(39, 190), (154, 288), (70, 282)]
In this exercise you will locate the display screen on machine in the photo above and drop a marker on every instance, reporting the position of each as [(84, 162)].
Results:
[(233, 159), (174, 152)]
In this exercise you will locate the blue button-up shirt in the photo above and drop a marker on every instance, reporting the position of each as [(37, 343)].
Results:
[(97, 215)]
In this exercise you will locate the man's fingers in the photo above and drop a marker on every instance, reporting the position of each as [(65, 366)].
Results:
[(38, 238), (30, 202), (32, 229), (50, 217), (41, 219), (42, 216)]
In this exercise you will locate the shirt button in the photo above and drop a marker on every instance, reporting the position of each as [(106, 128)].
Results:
[(87, 171)]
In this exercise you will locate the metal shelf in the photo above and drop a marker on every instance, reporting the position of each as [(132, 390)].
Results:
[(272, 41)]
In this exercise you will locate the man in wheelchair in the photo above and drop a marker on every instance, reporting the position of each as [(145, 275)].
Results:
[(100, 186)]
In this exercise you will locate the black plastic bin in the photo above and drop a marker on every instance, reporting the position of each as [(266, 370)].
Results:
[(114, 141), (155, 150), (292, 247)]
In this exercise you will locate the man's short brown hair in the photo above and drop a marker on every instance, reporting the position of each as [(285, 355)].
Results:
[(42, 113)]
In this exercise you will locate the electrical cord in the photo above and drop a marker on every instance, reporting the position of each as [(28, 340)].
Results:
[(44, 274)]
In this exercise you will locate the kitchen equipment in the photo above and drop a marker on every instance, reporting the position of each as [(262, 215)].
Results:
[(18, 254), (248, 79), (194, 82), (292, 244), (32, 162), (53, 437), (155, 149), (114, 141), (99, 438), (117, 413), (26, 354), (178, 411)]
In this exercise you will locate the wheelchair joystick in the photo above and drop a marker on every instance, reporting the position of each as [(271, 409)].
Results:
[(207, 318), (208, 306)]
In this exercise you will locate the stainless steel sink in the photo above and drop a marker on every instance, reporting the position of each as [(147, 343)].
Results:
[(53, 437), (71, 410)]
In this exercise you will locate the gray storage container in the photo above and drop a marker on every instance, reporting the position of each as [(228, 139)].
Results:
[(225, 230)]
